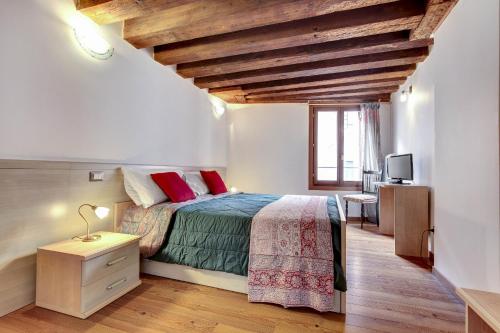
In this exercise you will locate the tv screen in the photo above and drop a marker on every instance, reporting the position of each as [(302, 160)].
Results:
[(400, 167)]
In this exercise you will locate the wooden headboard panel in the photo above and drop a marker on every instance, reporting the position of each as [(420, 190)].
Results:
[(39, 205)]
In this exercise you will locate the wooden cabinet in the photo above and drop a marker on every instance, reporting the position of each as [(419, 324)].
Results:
[(386, 206), (78, 278), (404, 213), (482, 313)]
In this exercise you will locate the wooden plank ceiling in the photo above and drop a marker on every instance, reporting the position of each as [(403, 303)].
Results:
[(292, 51)]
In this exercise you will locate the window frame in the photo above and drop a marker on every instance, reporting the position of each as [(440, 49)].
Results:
[(339, 184)]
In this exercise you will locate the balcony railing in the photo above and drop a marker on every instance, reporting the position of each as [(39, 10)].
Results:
[(351, 173)]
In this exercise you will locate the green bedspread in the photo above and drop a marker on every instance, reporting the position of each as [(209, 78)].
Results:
[(215, 234)]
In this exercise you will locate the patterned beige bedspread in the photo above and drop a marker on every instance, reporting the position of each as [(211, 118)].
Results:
[(291, 254)]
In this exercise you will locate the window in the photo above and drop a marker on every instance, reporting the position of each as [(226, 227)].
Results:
[(334, 147)]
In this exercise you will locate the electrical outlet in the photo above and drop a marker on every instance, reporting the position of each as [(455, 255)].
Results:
[(96, 176)]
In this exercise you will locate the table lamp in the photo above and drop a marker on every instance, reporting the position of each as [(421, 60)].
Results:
[(100, 212)]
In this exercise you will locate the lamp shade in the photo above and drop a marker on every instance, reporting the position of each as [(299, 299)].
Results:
[(101, 212)]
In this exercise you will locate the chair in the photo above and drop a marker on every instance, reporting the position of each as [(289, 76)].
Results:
[(369, 194)]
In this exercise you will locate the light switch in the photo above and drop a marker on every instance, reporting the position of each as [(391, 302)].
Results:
[(96, 176)]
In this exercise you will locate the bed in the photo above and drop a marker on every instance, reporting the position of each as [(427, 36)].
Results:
[(207, 241)]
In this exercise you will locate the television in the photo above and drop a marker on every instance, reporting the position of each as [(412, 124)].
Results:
[(399, 168)]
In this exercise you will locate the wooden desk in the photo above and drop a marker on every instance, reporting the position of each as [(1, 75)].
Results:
[(482, 311), (404, 213)]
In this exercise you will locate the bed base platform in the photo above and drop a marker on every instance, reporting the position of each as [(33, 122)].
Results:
[(215, 279), (221, 280)]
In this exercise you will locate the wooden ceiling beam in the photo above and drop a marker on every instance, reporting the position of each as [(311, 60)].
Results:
[(378, 60), (82, 4), (355, 76), (231, 95), (334, 88), (317, 80), (352, 100), (392, 41), (214, 17), (112, 11), (435, 13), (390, 17), (241, 94), (332, 94)]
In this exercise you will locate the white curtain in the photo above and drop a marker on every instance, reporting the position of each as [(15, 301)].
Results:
[(371, 154)]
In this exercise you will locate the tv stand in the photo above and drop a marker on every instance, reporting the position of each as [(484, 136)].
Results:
[(398, 182), (404, 213)]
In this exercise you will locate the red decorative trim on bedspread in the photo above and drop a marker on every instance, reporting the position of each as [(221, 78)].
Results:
[(322, 284)]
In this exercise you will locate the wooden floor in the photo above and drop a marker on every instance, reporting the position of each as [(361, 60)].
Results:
[(386, 294)]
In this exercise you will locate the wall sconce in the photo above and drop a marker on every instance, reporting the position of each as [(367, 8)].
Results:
[(89, 38), (218, 106), (405, 94), (219, 110)]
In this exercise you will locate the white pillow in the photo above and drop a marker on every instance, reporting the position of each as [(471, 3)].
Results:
[(132, 193), (140, 186), (196, 182)]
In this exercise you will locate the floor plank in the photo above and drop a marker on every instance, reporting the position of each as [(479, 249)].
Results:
[(386, 293)]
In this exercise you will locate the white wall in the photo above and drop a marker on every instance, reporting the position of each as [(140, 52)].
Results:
[(58, 103), (451, 124), (268, 148)]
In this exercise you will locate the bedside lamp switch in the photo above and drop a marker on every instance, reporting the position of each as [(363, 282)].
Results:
[(96, 176)]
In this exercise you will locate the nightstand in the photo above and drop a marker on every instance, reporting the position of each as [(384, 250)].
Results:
[(79, 278)]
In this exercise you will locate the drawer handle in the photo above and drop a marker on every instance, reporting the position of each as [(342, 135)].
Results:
[(112, 262), (116, 284)]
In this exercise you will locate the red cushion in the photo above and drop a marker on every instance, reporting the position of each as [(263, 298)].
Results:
[(214, 182), (173, 186)]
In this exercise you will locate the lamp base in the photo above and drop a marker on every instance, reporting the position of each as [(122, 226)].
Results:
[(91, 238)]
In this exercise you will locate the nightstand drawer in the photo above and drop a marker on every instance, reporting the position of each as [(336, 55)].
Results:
[(99, 293), (99, 267)]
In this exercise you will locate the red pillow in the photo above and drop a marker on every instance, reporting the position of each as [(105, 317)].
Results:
[(214, 182), (173, 186)]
